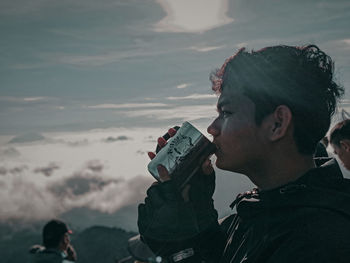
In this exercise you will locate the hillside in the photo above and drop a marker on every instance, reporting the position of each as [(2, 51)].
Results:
[(94, 244), (101, 244)]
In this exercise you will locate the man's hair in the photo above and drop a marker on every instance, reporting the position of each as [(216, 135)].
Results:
[(298, 77), (339, 132), (53, 232)]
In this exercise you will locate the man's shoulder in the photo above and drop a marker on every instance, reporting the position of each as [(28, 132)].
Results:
[(309, 235), (322, 222), (322, 237), (46, 256)]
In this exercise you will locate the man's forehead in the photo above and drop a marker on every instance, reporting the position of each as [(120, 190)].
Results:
[(228, 96), (222, 100)]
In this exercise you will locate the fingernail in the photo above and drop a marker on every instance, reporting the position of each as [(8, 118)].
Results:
[(151, 155), (172, 132), (161, 141)]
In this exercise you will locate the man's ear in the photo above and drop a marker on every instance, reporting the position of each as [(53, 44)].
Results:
[(279, 122), (345, 144)]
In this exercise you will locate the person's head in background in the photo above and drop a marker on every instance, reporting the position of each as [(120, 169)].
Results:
[(56, 235), (339, 138)]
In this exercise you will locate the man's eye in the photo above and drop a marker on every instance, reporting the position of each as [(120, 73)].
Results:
[(225, 113)]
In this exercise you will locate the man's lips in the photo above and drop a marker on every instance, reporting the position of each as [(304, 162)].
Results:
[(217, 147)]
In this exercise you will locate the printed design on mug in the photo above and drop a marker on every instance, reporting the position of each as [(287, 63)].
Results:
[(178, 148)]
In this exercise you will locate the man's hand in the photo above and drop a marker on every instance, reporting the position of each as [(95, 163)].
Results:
[(71, 254), (169, 215), (207, 168)]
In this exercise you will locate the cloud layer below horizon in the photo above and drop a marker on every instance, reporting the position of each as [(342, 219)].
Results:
[(43, 179)]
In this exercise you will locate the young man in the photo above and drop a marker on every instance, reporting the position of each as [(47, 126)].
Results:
[(340, 140), (57, 247), (275, 105)]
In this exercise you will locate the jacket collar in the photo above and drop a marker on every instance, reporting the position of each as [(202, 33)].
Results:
[(322, 187)]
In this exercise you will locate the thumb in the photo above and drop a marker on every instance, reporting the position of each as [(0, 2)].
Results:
[(207, 166), (163, 173)]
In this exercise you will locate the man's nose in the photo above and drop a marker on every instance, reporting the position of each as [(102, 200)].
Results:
[(213, 129)]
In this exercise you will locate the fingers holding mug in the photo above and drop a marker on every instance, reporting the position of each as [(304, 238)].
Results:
[(163, 173)]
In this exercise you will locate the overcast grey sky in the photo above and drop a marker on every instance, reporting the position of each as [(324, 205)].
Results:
[(61, 60), (69, 69)]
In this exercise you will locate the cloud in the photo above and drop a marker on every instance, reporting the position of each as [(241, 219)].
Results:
[(115, 139), (113, 195), (22, 7), (11, 152), (27, 137), (48, 170), (71, 143), (241, 45), (25, 200), (206, 48), (194, 97), (344, 102), (141, 152), (18, 169), (180, 18), (95, 166), (347, 41), (89, 188), (339, 44), (33, 98), (182, 86), (186, 113), (78, 143), (79, 185), (24, 99), (3, 171), (127, 106), (96, 60), (89, 178), (150, 138), (34, 105), (20, 66)]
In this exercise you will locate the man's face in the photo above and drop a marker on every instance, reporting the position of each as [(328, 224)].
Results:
[(238, 139), (65, 241), (343, 154)]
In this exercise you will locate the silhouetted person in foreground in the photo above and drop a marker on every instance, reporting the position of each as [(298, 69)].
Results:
[(57, 247), (275, 105), (339, 138)]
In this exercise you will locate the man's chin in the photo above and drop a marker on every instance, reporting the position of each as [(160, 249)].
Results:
[(228, 167), (221, 165)]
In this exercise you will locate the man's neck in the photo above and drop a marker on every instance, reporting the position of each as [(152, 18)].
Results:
[(281, 170)]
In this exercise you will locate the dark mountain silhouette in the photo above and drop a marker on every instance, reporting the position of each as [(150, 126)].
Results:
[(101, 244), (124, 218), (94, 244), (14, 244)]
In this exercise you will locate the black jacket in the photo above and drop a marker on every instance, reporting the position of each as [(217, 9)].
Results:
[(38, 254), (304, 221)]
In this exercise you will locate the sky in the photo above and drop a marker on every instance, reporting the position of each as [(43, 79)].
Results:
[(87, 86)]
